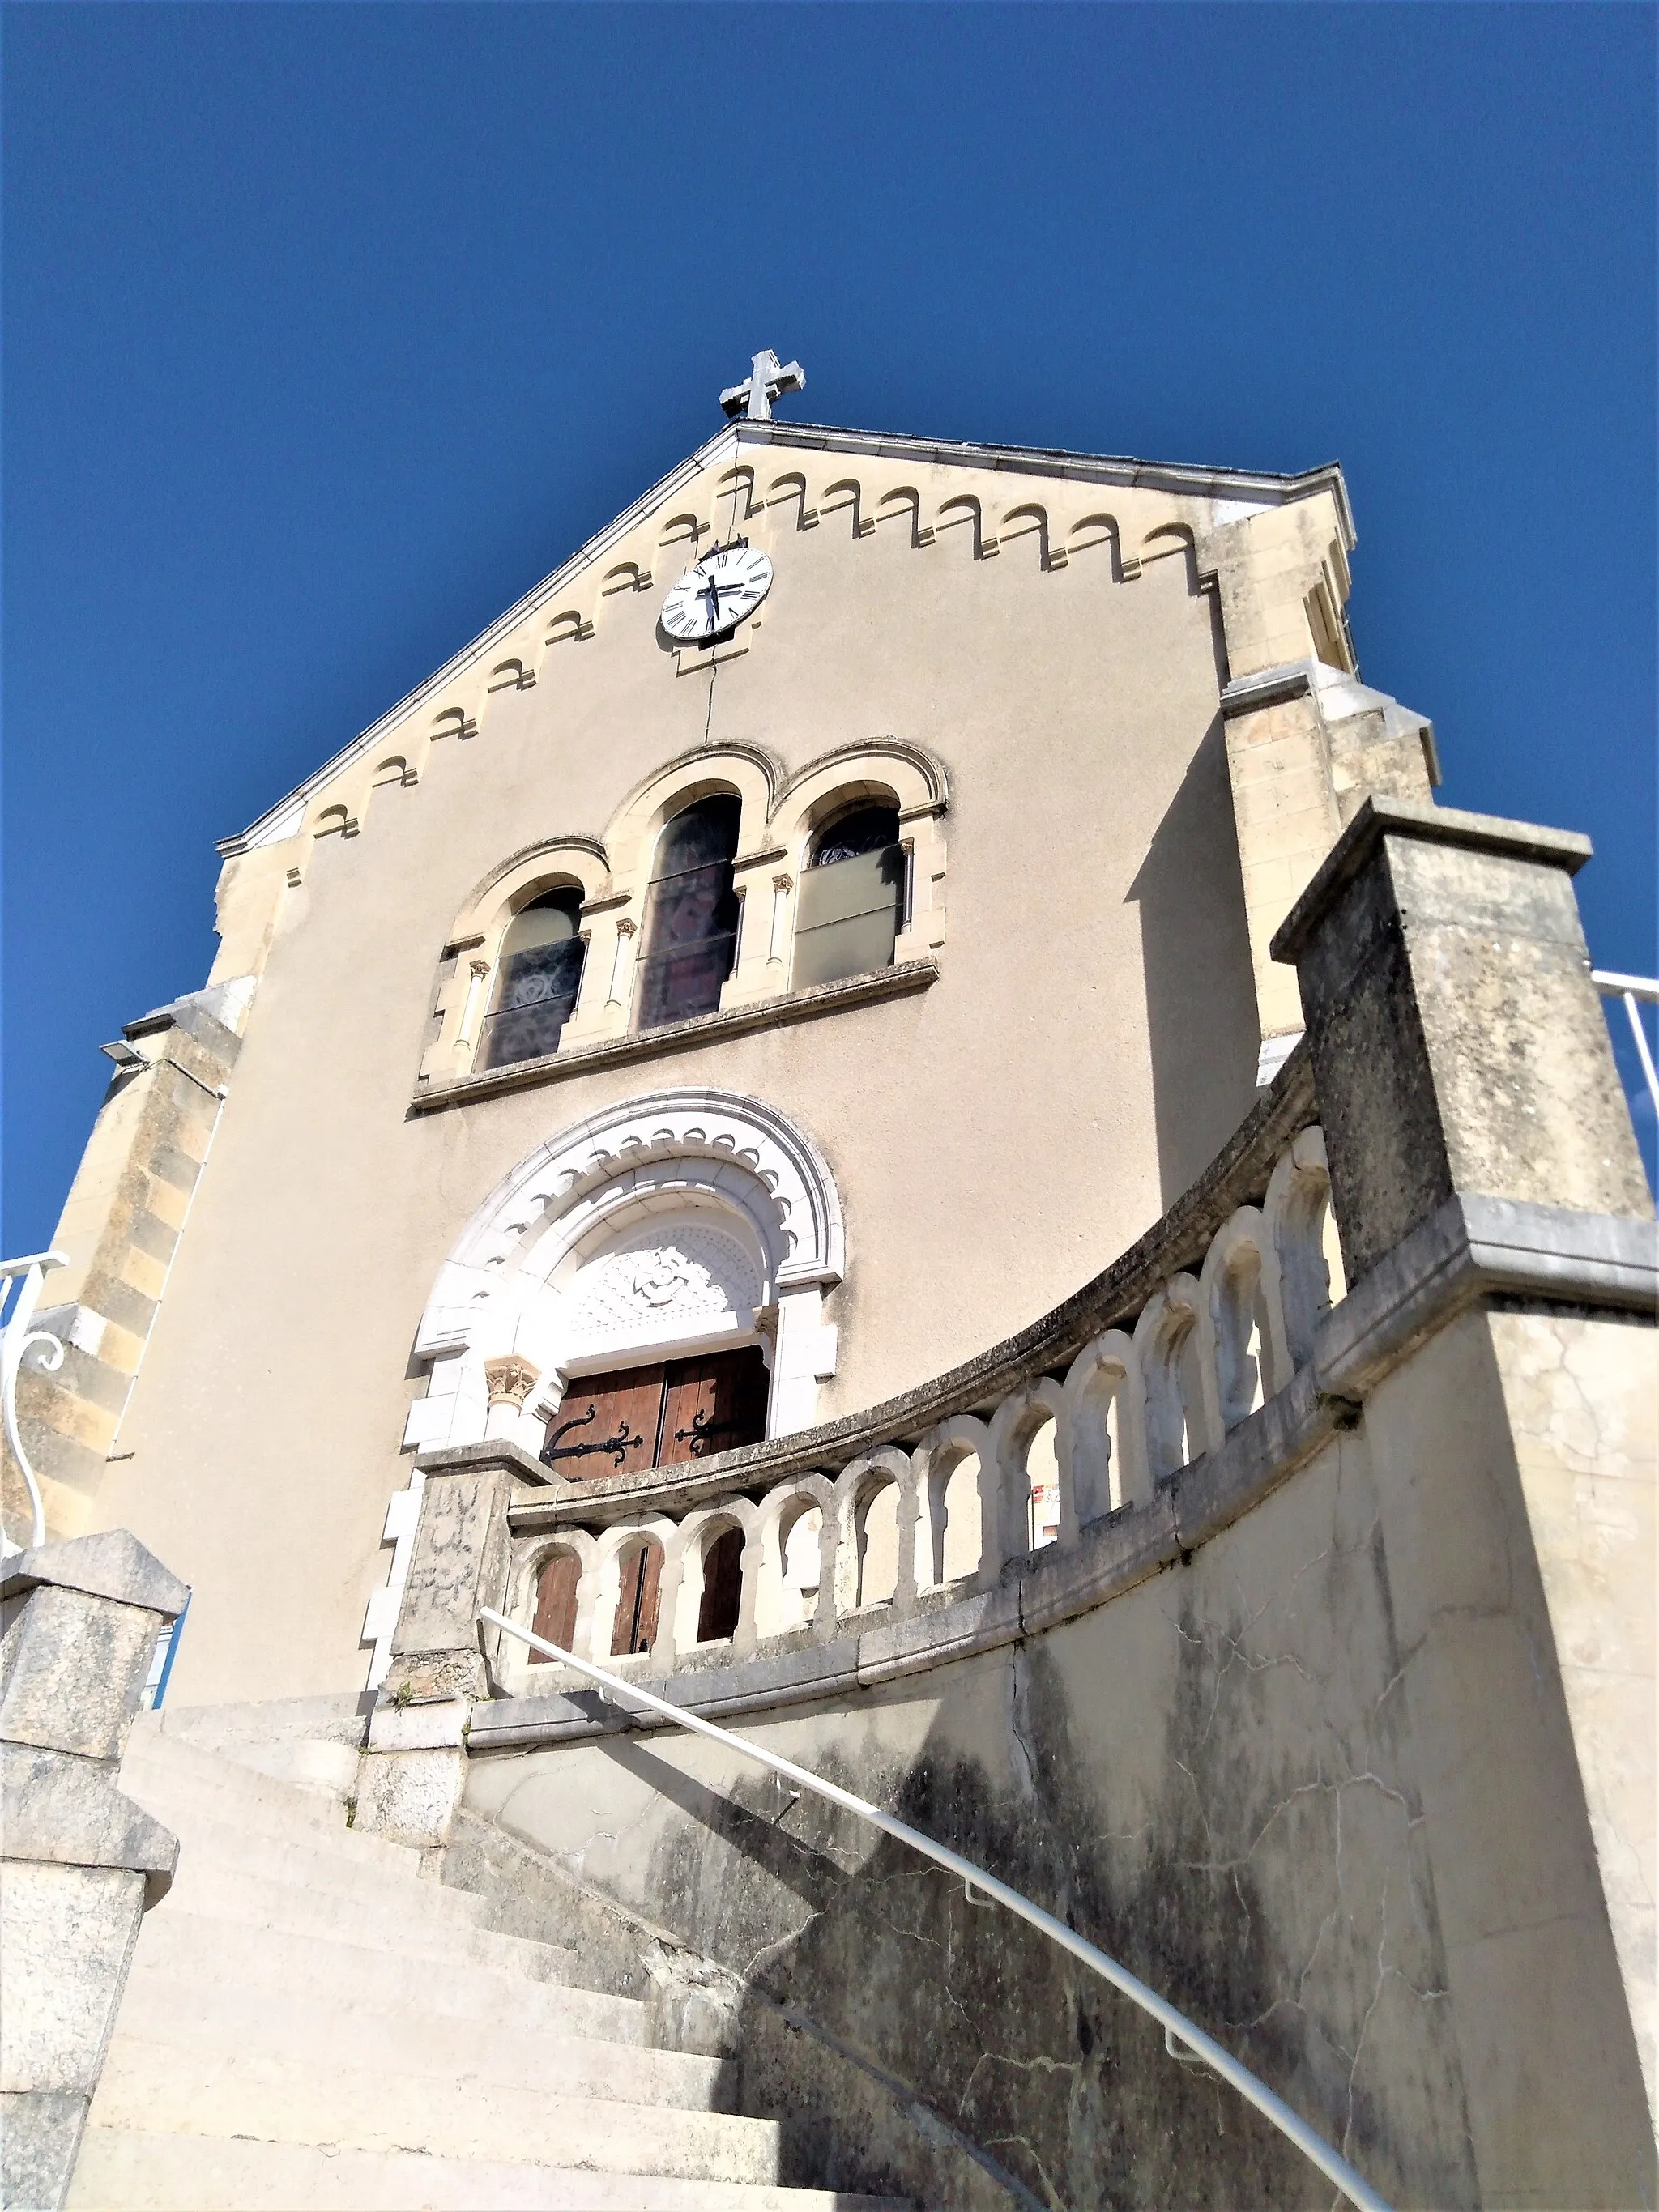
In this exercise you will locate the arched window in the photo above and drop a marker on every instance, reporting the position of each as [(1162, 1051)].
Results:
[(635, 1625), (852, 898), (555, 1603), (691, 915), (541, 972)]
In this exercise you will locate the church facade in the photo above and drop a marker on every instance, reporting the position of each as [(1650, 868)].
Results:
[(1034, 679), (891, 1104)]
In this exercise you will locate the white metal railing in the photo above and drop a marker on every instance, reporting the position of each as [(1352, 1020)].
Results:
[(980, 1887), (15, 1338), (1630, 989)]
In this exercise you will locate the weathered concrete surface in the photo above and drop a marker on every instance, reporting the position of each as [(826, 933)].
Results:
[(1519, 1524), (63, 1811), (78, 1861), (1319, 1784), (1583, 1397), (851, 2126), (72, 1669), (1458, 1041), (1213, 1776), (411, 1774)]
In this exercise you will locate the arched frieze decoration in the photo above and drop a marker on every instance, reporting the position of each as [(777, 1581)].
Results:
[(667, 1225)]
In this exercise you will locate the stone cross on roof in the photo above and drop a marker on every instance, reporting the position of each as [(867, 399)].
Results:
[(767, 380)]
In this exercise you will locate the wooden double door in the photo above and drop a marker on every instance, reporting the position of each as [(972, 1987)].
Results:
[(623, 1423), (636, 1417)]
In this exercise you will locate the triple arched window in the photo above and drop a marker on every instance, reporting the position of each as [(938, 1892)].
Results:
[(718, 887)]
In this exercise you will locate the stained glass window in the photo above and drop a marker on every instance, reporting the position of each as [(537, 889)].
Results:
[(541, 972), (690, 915), (852, 898)]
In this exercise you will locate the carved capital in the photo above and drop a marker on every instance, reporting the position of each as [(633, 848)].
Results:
[(783, 883), (510, 1381), (625, 927), (480, 968)]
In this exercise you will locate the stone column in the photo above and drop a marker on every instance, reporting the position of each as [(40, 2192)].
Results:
[(1502, 1265), (79, 1863), (412, 1773), (509, 1382)]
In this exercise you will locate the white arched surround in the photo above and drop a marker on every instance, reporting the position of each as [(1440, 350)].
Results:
[(679, 1222)]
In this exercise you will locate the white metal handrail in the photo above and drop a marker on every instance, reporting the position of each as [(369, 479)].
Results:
[(1290, 2124), (15, 1339), (1631, 988)]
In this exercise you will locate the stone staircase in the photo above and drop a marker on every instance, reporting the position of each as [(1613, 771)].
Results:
[(310, 2021)]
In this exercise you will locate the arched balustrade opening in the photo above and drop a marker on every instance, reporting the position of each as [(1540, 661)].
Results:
[(876, 1528), (721, 1598), (555, 1616), (1042, 1477), (801, 1550), (950, 1538), (1240, 1337), (1167, 1341), (634, 1625)]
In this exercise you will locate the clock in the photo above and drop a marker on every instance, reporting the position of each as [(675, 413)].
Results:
[(724, 589)]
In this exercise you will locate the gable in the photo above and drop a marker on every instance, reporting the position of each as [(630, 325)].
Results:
[(1051, 508)]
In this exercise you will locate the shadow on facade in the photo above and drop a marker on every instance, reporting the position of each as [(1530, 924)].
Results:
[(884, 2013), (1200, 994)]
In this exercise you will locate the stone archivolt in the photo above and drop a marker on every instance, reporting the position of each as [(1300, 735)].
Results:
[(669, 1219)]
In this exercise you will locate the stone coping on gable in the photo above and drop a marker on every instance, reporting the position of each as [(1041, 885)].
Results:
[(900, 980)]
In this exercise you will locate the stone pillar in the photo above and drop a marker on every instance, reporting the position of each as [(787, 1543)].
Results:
[(1458, 1043), (1496, 1225), (412, 1773), (79, 1863)]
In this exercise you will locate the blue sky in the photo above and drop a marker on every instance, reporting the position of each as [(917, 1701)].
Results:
[(330, 328)]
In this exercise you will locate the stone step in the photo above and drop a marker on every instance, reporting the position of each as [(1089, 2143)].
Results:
[(327, 1769), (189, 1946), (161, 1773), (185, 2010), (211, 1890), (123, 2173), (160, 2088), (320, 1863)]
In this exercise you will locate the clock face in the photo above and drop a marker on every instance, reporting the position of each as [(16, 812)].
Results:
[(724, 589)]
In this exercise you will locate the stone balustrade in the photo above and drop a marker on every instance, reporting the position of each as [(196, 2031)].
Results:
[(1217, 1312)]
